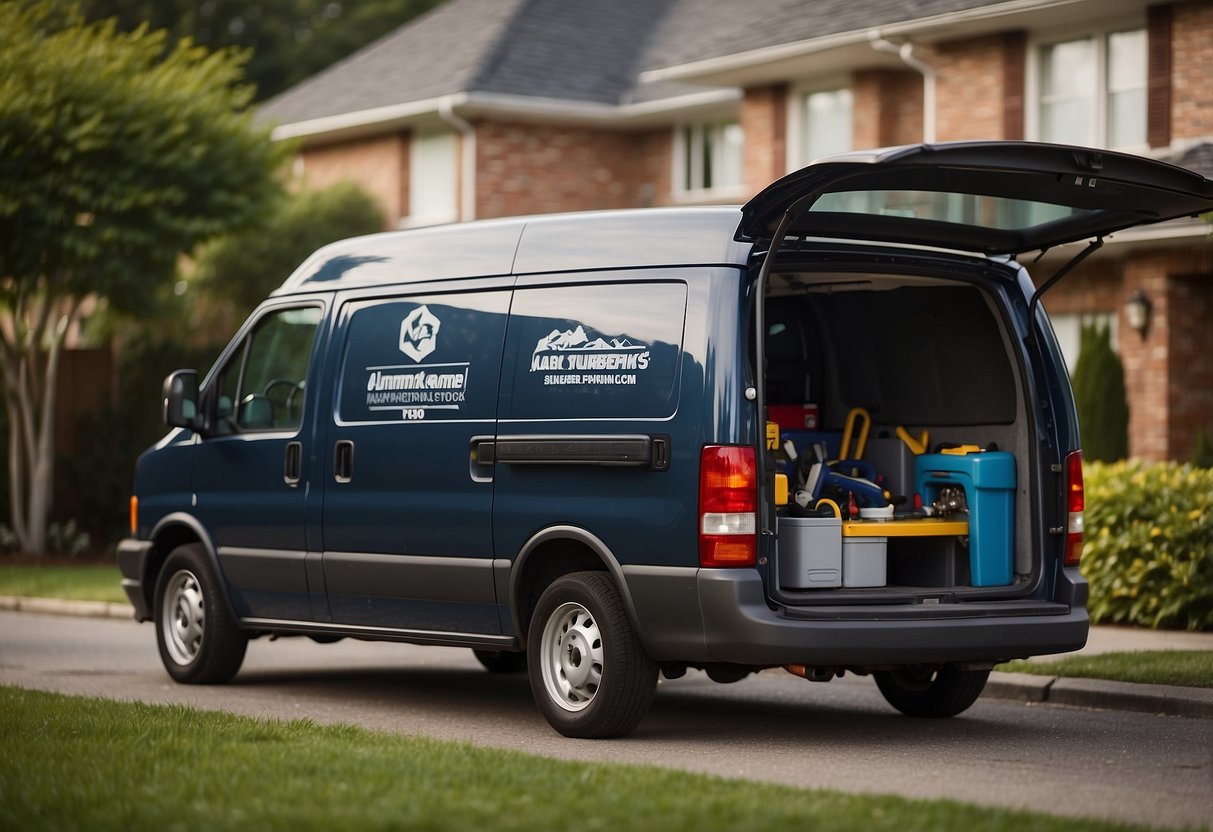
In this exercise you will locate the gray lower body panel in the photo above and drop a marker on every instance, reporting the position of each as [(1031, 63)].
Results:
[(722, 615)]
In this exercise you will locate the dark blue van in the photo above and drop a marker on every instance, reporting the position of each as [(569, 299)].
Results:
[(830, 431)]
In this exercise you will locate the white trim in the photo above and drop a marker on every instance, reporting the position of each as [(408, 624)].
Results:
[(360, 118), (467, 154), (378, 119)]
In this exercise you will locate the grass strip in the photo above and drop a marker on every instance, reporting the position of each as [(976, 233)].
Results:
[(77, 763), (1187, 668), (76, 582)]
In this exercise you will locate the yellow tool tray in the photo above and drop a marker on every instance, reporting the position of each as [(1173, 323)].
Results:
[(926, 527)]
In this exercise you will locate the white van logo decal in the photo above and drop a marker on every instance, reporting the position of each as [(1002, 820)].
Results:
[(413, 390), (419, 333), (571, 357)]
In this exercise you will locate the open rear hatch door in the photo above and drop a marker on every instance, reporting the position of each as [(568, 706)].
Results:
[(990, 197)]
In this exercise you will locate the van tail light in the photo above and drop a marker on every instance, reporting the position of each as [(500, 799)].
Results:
[(1074, 508), (728, 506), (134, 516)]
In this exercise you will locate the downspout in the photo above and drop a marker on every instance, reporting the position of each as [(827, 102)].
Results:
[(905, 51), (467, 157)]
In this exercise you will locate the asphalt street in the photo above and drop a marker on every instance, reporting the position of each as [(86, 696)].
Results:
[(771, 727)]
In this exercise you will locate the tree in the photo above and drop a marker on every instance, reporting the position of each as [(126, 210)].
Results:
[(291, 39), (1099, 393), (117, 154), (246, 266)]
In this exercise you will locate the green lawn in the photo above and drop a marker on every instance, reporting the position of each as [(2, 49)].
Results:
[(75, 763), (1190, 668), (76, 582)]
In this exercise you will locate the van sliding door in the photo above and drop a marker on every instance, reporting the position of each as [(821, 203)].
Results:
[(590, 401)]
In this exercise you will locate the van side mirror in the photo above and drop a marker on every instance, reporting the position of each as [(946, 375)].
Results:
[(181, 400)]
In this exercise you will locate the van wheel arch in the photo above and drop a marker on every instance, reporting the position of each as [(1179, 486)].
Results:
[(550, 555), (171, 532)]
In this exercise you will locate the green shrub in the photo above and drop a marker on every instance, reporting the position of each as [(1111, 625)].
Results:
[(1202, 451), (1099, 394), (1149, 544)]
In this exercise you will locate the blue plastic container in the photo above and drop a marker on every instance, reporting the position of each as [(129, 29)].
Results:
[(988, 479)]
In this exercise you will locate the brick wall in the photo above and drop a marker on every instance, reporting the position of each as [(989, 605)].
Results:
[(379, 164), (543, 168), (1169, 373), (979, 88), (1192, 69), (887, 108), (764, 118), (1190, 353)]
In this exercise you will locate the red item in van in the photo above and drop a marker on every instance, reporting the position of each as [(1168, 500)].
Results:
[(794, 416)]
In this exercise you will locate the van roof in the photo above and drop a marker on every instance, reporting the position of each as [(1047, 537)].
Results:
[(591, 241)]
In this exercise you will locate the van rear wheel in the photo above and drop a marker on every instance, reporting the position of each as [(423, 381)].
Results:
[(200, 643), (929, 691), (589, 673)]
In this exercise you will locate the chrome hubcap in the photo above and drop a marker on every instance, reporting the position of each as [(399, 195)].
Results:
[(184, 619), (572, 657)]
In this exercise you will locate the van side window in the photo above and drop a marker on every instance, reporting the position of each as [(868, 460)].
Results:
[(597, 351), (262, 386), (423, 358)]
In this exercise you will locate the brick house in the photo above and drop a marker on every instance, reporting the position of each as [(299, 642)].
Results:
[(488, 108)]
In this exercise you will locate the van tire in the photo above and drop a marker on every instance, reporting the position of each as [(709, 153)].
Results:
[(499, 661), (590, 676), (931, 692), (200, 642)]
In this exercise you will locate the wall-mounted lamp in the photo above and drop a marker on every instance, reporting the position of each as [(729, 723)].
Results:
[(1137, 312)]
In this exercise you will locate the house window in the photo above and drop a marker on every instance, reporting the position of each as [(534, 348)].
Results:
[(433, 178), (1092, 90), (710, 157), (825, 123)]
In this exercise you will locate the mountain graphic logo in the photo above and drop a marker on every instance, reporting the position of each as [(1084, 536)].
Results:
[(577, 340), (419, 333)]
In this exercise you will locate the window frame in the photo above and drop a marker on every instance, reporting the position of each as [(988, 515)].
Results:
[(418, 219), (236, 357), (684, 191), (795, 151), (1034, 85)]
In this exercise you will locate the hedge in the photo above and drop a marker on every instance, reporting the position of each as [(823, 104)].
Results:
[(1149, 544)]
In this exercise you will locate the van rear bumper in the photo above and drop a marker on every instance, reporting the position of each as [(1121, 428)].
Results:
[(738, 626)]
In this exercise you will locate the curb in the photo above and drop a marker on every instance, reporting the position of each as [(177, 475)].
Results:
[(1163, 700), (58, 606)]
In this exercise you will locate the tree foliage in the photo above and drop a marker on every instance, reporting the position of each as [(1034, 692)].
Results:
[(246, 266), (117, 154), (1099, 393), (290, 39)]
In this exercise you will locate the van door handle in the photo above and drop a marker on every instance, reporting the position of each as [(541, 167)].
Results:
[(343, 461), (292, 466), (481, 456)]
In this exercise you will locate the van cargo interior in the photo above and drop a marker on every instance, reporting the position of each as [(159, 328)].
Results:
[(897, 425)]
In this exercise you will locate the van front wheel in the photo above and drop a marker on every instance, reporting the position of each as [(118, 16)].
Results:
[(931, 692), (200, 643), (589, 673)]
